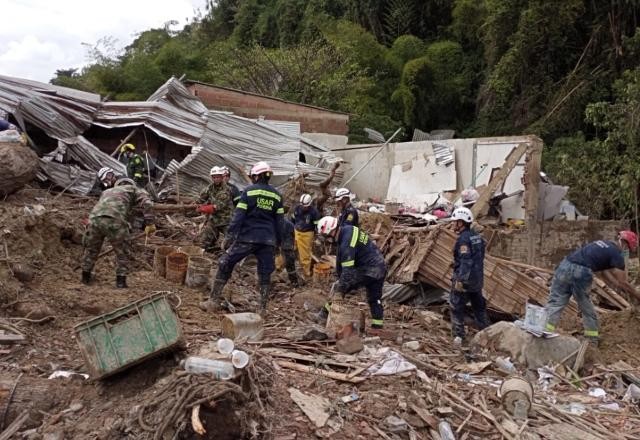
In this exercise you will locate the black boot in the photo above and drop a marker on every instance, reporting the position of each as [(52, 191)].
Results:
[(293, 279), (213, 303), (121, 281), (86, 277), (265, 290)]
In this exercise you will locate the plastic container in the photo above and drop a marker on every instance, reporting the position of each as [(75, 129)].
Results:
[(220, 369), (342, 313), (192, 251), (198, 271), (177, 267), (520, 409), (240, 326), (514, 389), (225, 346), (535, 318), (446, 433), (129, 335), (505, 365), (160, 260), (239, 359), (322, 273)]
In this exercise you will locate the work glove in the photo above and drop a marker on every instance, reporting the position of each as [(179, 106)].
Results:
[(150, 229), (457, 286), (206, 209)]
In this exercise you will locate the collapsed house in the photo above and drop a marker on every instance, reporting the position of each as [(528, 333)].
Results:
[(76, 133)]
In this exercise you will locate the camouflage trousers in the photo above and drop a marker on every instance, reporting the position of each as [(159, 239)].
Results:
[(118, 235), (211, 234)]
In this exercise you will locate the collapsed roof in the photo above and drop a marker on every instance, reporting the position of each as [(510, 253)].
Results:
[(172, 113)]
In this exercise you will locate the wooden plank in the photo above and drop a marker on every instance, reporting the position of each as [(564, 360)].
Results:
[(565, 431), (9, 338), (330, 374), (301, 357), (481, 206), (531, 194)]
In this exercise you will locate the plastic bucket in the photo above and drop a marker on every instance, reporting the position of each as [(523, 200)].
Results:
[(513, 389), (192, 251), (160, 260), (177, 267), (321, 272), (342, 313), (535, 317), (242, 326), (198, 271)]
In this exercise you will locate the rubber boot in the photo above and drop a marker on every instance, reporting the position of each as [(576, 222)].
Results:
[(213, 303), (265, 289), (293, 279), (86, 277), (121, 281)]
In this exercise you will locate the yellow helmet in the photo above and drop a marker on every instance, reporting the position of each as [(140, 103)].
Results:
[(126, 147)]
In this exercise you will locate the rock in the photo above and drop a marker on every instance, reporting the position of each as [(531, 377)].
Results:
[(18, 166), (523, 347), (350, 345), (56, 435), (22, 272)]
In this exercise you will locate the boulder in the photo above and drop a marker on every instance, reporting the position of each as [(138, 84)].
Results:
[(18, 166), (525, 348)]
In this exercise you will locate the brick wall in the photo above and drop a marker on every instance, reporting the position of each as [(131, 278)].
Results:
[(556, 240), (313, 120)]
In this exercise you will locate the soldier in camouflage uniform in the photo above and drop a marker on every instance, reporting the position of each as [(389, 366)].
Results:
[(109, 219), (219, 195)]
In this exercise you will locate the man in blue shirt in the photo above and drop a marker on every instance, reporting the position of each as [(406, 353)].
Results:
[(256, 228), (574, 275), (359, 263), (468, 275), (305, 218), (348, 214)]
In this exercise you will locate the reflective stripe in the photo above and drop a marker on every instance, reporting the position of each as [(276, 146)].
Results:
[(354, 237), (327, 306), (315, 222), (591, 333), (235, 199), (263, 192), (280, 211), (137, 175), (241, 205), (349, 263), (550, 327), (377, 322)]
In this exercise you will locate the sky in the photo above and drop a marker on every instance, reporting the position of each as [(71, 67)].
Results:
[(37, 37)]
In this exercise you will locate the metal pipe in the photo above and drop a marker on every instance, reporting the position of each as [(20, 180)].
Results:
[(372, 157)]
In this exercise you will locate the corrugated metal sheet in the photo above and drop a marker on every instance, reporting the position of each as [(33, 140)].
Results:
[(70, 177), (443, 153), (287, 127)]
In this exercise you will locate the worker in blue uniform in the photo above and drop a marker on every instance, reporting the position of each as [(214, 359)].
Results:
[(288, 252), (256, 228), (359, 263), (348, 214), (468, 275)]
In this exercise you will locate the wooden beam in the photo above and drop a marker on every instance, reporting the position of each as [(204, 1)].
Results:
[(531, 195), (481, 206)]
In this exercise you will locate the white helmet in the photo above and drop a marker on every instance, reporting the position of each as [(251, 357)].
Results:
[(463, 214), (217, 171), (226, 170), (102, 174), (327, 224), (342, 193), (305, 199), (470, 195), (260, 168)]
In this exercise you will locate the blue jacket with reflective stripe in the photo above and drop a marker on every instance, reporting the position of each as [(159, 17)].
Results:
[(468, 261), (348, 216), (259, 216), (235, 193), (357, 253), (305, 218)]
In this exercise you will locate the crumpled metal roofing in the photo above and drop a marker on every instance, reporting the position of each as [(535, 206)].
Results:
[(174, 114)]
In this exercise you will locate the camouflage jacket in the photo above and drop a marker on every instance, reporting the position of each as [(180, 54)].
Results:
[(119, 203), (221, 197)]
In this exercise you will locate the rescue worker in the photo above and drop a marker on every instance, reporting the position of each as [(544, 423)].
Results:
[(109, 219), (468, 275), (218, 207), (135, 164), (348, 214), (106, 179), (256, 228), (574, 275), (359, 263), (235, 191), (305, 218), (288, 252)]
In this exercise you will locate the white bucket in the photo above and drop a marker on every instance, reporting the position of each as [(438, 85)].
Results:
[(535, 318)]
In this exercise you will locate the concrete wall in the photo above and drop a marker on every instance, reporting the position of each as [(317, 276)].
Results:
[(249, 105), (556, 240)]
